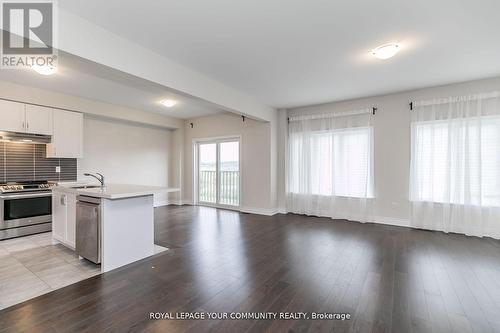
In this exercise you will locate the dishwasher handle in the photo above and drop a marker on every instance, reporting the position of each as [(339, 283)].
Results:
[(87, 199)]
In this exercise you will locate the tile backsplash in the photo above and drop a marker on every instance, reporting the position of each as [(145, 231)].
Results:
[(26, 162)]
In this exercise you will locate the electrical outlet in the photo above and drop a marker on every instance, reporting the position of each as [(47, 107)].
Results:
[(58, 169)]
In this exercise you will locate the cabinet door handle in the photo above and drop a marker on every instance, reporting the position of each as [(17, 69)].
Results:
[(24, 125), (27, 125)]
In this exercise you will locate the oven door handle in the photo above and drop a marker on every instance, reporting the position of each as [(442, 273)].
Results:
[(25, 195)]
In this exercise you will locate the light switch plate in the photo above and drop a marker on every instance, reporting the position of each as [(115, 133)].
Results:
[(58, 169)]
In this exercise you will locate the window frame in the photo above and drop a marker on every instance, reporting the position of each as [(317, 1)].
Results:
[(478, 200), (370, 182)]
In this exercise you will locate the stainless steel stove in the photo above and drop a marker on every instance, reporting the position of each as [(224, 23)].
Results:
[(25, 208)]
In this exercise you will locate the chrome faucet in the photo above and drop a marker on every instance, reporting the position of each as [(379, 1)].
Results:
[(100, 177)]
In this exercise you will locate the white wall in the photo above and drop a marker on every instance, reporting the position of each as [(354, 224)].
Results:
[(176, 165), (126, 153), (258, 181), (392, 142)]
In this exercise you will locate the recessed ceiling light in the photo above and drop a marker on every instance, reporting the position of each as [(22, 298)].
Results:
[(44, 69), (386, 51), (168, 103)]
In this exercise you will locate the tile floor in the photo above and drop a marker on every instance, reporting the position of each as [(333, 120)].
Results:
[(31, 266)]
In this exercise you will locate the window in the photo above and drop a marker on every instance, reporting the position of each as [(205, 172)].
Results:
[(332, 163), (456, 161), (218, 172)]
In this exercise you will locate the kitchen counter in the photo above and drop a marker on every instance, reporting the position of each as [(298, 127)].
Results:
[(112, 191), (125, 220)]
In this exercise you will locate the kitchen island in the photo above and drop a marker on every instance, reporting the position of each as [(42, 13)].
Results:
[(125, 214)]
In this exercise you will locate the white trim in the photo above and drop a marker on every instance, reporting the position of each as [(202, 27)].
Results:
[(281, 210), (220, 206), (170, 202), (181, 202), (217, 138), (259, 211), (330, 115), (398, 222), (196, 151), (160, 203), (383, 220)]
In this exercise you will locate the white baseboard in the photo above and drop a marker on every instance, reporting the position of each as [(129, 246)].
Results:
[(392, 221), (398, 222), (281, 210), (259, 211), (176, 202), (170, 202)]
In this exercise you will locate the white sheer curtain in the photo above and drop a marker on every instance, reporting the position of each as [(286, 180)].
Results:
[(330, 165), (455, 165)]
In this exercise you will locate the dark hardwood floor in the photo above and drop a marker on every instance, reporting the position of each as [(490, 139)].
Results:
[(389, 279)]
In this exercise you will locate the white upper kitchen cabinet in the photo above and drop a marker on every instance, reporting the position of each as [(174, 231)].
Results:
[(39, 119), (67, 136), (12, 116)]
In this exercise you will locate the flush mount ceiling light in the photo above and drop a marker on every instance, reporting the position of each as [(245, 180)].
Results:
[(168, 103), (386, 51), (44, 69)]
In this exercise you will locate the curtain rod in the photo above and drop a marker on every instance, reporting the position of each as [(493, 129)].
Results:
[(455, 99), (333, 114)]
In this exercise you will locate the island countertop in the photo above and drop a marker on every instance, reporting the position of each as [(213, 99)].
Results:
[(112, 191)]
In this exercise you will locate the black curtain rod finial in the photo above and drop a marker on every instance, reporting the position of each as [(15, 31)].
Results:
[(243, 117), (374, 109), (191, 124), (411, 105)]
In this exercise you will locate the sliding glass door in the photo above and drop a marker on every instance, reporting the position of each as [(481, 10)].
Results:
[(207, 174), (218, 174)]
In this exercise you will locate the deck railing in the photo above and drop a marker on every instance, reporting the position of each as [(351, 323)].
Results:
[(229, 187)]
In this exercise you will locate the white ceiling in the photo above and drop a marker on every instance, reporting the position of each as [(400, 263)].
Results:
[(289, 53), (82, 78)]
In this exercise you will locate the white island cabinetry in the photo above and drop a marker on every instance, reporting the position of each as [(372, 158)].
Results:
[(126, 223), (64, 218)]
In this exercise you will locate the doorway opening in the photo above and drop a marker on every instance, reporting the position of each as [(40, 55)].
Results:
[(218, 176)]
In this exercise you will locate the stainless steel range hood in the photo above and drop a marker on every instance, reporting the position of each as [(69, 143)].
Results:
[(24, 137)]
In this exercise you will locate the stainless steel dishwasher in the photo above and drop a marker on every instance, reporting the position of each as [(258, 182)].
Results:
[(88, 228)]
